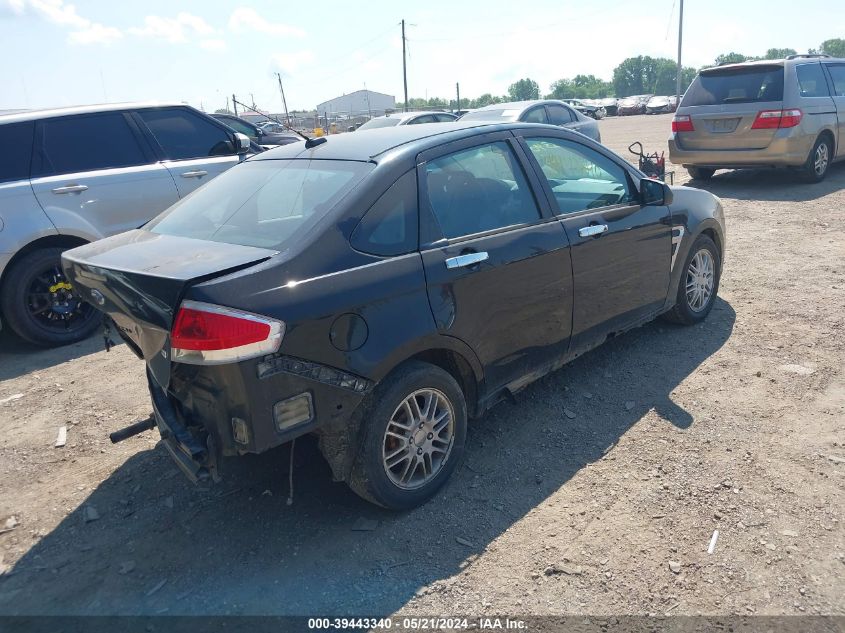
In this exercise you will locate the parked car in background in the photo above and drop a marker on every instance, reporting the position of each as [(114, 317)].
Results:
[(258, 134), (629, 105), (782, 113), (589, 109), (429, 272), (550, 111), (661, 105), (74, 175), (272, 127), (408, 118), (610, 105)]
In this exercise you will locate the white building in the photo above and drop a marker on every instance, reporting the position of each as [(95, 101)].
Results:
[(359, 102)]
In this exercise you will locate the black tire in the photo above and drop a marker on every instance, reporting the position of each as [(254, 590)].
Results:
[(369, 477), (15, 303), (700, 173), (683, 312), (813, 172)]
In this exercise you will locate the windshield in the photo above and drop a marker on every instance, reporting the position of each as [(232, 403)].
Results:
[(382, 122), (494, 114), (265, 203), (736, 85)]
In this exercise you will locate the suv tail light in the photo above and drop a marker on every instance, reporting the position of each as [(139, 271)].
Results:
[(682, 123), (773, 119), (206, 334)]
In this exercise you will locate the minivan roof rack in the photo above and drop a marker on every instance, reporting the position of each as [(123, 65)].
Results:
[(802, 55)]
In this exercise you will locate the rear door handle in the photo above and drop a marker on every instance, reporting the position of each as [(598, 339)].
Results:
[(70, 189), (199, 173), (592, 230), (469, 259)]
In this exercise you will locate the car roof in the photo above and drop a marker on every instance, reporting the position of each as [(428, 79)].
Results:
[(518, 105), (370, 145), (31, 115), (407, 115)]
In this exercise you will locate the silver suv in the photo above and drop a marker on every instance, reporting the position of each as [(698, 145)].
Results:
[(75, 175), (783, 113)]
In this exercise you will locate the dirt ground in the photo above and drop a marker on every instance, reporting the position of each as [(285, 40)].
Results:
[(597, 492)]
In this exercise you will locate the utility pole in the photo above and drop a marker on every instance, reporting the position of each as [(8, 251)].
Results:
[(235, 104), (404, 66), (680, 40), (458, 90), (284, 101)]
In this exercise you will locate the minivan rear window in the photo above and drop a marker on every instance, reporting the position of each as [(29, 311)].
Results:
[(749, 84), (265, 203)]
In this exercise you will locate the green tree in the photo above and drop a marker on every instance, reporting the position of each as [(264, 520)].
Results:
[(834, 47), (649, 75), (779, 53), (523, 90), (731, 58), (484, 100)]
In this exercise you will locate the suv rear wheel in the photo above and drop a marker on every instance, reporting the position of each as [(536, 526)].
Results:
[(413, 436), (700, 173), (818, 162), (41, 306)]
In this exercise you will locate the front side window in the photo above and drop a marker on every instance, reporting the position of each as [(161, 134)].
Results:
[(811, 80), (391, 225), (266, 203), (16, 141), (479, 189), (837, 73), (183, 134), (86, 143), (580, 177), (750, 84)]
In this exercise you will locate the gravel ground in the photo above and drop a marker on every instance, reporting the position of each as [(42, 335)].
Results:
[(597, 492)]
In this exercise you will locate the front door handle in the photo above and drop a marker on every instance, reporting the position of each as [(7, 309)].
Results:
[(593, 230), (70, 189), (199, 173), (469, 259)]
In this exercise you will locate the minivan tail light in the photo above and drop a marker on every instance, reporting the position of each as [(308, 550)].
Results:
[(682, 123), (206, 334), (774, 119)]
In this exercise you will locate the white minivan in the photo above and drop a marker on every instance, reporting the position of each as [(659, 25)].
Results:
[(74, 175)]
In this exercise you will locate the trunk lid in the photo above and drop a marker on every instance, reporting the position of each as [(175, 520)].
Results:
[(138, 279)]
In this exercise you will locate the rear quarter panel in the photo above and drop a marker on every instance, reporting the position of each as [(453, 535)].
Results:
[(22, 220)]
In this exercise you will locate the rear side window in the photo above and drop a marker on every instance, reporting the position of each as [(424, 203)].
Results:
[(536, 115), (811, 81), (86, 143), (239, 126), (391, 225), (16, 141), (736, 85), (265, 203), (837, 73), (183, 134), (479, 189)]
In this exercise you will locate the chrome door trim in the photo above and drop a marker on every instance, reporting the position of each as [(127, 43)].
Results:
[(592, 230), (469, 259), (70, 189)]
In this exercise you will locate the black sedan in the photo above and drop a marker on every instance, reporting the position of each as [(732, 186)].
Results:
[(381, 289), (257, 134)]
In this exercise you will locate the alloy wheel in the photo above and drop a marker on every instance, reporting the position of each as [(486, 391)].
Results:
[(821, 159), (700, 280), (418, 439), (52, 302)]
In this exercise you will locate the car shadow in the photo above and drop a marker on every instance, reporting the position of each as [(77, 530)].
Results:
[(161, 545), (17, 357), (771, 184)]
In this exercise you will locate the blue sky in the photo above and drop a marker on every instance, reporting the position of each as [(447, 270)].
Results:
[(60, 53)]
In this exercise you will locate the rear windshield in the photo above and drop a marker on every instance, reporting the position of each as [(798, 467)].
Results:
[(505, 114), (374, 123), (265, 203), (736, 85)]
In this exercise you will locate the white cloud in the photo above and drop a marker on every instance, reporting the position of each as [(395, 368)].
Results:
[(57, 12), (173, 30), (244, 19), (291, 62), (213, 45), (95, 34)]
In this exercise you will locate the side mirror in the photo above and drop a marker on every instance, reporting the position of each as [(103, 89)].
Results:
[(242, 143), (259, 132), (654, 193)]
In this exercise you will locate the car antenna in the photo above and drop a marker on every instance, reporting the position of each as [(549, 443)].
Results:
[(310, 142)]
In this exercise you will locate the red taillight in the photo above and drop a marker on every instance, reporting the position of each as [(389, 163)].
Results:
[(682, 123), (208, 334), (774, 119)]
